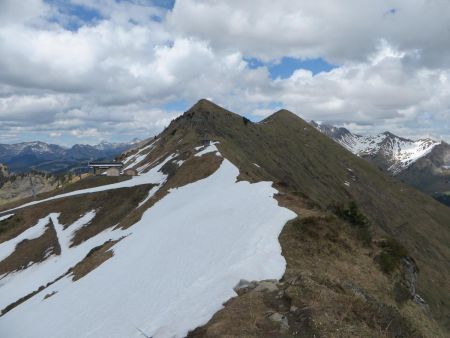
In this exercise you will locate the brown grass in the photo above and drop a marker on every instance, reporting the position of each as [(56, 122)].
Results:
[(93, 259), (31, 251), (335, 285), (111, 207)]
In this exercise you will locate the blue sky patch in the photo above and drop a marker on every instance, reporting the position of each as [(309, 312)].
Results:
[(168, 4), (79, 15), (254, 63), (289, 65), (179, 105)]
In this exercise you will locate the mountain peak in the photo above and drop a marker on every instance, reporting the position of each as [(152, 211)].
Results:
[(202, 104), (283, 115), (205, 105), (205, 108), (336, 133), (390, 135)]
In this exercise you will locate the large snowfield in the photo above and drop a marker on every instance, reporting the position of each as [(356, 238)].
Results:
[(173, 270)]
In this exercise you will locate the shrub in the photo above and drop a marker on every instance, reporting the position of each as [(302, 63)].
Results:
[(356, 218), (245, 120), (351, 214), (387, 262), (391, 255)]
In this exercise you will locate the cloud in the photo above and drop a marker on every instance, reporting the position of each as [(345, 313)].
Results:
[(382, 92), (103, 69), (11, 13), (25, 108), (337, 31)]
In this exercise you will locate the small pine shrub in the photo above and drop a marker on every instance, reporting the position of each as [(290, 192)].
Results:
[(356, 218), (245, 120)]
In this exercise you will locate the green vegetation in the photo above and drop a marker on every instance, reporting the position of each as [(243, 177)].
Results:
[(390, 257), (356, 218)]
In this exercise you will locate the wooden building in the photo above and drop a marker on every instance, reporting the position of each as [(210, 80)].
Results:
[(101, 167)]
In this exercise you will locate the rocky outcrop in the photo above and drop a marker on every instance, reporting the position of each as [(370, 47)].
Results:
[(15, 187), (409, 279)]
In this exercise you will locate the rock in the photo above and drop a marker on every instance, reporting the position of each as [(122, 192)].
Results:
[(293, 309), (410, 271), (419, 300), (267, 285), (244, 286), (243, 283), (280, 294), (279, 318)]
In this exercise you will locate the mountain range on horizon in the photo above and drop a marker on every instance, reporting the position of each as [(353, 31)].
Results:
[(40, 156), (230, 228)]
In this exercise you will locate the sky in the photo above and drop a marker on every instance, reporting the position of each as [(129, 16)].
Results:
[(84, 71)]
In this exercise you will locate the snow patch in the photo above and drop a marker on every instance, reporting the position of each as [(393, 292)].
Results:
[(209, 149), (179, 162), (151, 192), (36, 231), (21, 283), (5, 217), (135, 161), (170, 275), (138, 157)]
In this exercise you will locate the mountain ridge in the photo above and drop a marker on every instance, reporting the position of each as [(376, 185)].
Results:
[(351, 255)]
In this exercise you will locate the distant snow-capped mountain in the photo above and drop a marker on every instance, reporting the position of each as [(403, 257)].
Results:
[(25, 156), (422, 163), (389, 151)]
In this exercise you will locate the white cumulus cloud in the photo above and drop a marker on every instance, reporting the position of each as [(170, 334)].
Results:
[(67, 77)]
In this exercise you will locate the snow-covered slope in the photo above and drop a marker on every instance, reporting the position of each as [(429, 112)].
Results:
[(170, 271), (395, 152)]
